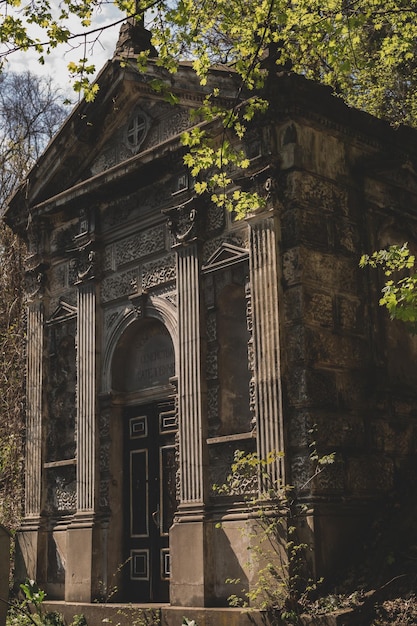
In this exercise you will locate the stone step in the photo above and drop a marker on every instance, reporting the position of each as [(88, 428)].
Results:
[(165, 615)]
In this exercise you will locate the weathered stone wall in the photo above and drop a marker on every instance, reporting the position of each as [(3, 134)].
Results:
[(350, 384)]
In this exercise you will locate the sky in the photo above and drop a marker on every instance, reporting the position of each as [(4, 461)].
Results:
[(99, 51)]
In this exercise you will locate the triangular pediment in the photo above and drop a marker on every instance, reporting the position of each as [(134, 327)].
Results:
[(63, 312), (227, 254), (127, 119)]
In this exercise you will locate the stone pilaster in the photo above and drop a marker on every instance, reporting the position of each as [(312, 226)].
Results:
[(86, 398), (30, 553), (83, 561), (190, 578), (264, 278), (190, 399), (33, 471)]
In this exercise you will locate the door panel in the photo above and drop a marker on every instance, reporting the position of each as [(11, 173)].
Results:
[(150, 499)]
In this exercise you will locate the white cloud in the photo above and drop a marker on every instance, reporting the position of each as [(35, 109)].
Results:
[(99, 47)]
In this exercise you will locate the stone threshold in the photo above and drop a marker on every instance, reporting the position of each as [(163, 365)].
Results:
[(147, 615)]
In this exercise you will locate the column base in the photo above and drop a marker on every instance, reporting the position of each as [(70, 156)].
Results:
[(80, 578), (31, 551), (188, 564)]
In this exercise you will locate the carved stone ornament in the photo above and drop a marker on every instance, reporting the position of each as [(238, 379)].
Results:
[(35, 229), (261, 181), (84, 265), (183, 222), (138, 301), (35, 281)]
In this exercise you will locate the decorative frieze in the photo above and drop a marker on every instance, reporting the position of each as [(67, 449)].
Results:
[(221, 458), (211, 363), (158, 272), (108, 261), (171, 126), (118, 285), (213, 410), (215, 218), (139, 245), (104, 455), (211, 326), (61, 490), (251, 352)]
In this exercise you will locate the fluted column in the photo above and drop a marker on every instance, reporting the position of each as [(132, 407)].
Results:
[(86, 397), (190, 578), (34, 368), (83, 548), (264, 279), (189, 380)]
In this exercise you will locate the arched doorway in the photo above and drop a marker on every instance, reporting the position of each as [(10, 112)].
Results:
[(142, 371)]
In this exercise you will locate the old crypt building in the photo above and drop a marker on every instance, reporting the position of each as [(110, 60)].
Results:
[(163, 335)]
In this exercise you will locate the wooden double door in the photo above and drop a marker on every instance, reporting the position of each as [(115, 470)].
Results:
[(149, 499)]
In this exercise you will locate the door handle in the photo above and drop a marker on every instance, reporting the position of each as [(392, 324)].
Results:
[(156, 517)]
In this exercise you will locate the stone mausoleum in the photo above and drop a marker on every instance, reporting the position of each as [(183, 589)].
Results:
[(163, 334)]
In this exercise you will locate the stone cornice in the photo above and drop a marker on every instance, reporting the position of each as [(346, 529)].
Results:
[(294, 95)]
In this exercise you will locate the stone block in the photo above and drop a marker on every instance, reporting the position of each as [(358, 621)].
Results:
[(330, 430), (299, 225), (78, 583), (319, 308), (346, 237), (350, 313), (396, 437), (311, 387), (369, 474), (188, 570), (329, 480), (328, 349), (293, 303), (314, 191), (230, 560)]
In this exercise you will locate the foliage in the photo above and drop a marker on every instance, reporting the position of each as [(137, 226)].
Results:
[(283, 584), (365, 50), (29, 115), (136, 616), (30, 610), (399, 294), (11, 379)]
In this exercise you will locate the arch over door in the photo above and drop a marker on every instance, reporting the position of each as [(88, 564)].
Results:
[(142, 368)]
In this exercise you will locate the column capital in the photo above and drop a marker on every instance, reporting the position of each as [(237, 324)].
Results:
[(184, 221), (35, 277), (84, 261)]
